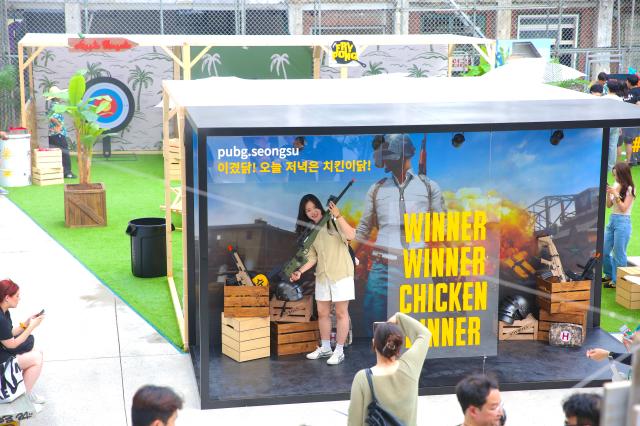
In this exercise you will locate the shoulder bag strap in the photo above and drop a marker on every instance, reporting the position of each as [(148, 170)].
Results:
[(373, 394)]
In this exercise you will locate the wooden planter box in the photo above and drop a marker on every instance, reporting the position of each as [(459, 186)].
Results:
[(627, 292), (299, 311), (547, 319), (563, 297), (244, 339), (246, 301), (85, 205), (294, 338), (526, 329)]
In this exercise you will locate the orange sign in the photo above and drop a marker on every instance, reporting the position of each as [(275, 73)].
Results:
[(100, 44)]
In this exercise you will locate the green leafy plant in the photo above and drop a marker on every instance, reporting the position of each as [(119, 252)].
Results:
[(416, 72), (375, 68), (577, 84), (10, 102), (478, 70), (85, 115)]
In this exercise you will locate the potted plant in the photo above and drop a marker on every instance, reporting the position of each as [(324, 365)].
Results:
[(84, 203)]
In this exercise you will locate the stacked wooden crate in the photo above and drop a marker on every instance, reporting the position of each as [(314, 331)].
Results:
[(245, 323), (562, 302), (628, 288), (292, 331), (526, 329), (47, 167)]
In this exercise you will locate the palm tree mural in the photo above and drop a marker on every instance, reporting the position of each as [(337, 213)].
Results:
[(416, 72), (210, 60), (140, 78), (375, 68), (47, 56), (95, 70), (278, 62), (45, 85)]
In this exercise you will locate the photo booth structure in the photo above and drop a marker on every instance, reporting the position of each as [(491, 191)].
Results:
[(439, 106), (179, 49)]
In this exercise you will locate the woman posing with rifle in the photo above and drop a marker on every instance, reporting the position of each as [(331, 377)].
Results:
[(329, 253)]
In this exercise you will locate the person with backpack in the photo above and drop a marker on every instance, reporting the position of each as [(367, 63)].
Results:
[(387, 393), (403, 191), (334, 265)]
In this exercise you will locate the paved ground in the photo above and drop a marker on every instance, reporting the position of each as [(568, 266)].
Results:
[(98, 351)]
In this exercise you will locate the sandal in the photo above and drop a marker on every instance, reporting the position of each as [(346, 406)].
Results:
[(607, 283)]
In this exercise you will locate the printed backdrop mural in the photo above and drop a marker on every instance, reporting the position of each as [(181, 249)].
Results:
[(456, 236), (141, 69)]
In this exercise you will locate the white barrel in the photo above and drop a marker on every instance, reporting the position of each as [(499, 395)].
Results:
[(15, 160)]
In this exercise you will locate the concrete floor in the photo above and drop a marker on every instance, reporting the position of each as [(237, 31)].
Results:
[(98, 351)]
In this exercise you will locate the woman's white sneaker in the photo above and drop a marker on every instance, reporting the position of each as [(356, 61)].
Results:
[(336, 358), (320, 353)]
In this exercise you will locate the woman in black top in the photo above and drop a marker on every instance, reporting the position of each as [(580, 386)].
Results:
[(13, 338)]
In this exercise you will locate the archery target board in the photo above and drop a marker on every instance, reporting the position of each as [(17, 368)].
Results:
[(119, 115)]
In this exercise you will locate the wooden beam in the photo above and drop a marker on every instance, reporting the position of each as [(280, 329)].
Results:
[(32, 57), (177, 308), (344, 72), (185, 242), (200, 55), (186, 62), (482, 53), (23, 100), (174, 57), (176, 66), (317, 61)]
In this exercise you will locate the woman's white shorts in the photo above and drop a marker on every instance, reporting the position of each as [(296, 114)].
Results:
[(339, 291)]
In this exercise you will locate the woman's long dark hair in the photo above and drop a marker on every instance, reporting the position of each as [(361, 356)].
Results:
[(304, 222), (623, 176)]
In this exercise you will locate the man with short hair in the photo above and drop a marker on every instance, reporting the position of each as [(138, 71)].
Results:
[(155, 406), (479, 398), (582, 409)]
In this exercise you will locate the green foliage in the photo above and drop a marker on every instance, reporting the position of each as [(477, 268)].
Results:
[(8, 76), (478, 70), (85, 115), (375, 68), (577, 84)]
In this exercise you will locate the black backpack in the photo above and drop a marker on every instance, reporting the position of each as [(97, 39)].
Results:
[(376, 414)]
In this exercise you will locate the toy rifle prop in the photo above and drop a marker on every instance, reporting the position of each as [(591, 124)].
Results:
[(243, 277), (555, 265)]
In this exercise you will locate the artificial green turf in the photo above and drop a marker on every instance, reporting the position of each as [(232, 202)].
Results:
[(614, 315), (134, 189)]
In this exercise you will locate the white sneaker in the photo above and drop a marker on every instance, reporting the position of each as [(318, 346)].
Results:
[(36, 399), (336, 358), (320, 353)]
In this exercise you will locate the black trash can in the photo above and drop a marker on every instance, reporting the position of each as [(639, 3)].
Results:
[(148, 247)]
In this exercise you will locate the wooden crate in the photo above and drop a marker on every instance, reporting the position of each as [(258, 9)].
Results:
[(173, 154), (299, 311), (563, 297), (294, 338), (546, 319), (244, 339), (50, 158), (42, 177), (526, 329), (246, 301), (85, 205), (627, 292)]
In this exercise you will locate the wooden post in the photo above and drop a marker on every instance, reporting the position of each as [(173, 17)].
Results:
[(344, 72), (317, 61), (185, 242), (176, 65), (450, 59), (23, 100), (186, 62)]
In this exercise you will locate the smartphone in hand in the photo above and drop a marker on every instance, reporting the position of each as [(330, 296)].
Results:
[(40, 313), (375, 326)]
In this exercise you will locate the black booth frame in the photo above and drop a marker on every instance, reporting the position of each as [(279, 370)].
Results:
[(203, 122)]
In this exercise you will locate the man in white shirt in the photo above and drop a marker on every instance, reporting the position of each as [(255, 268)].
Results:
[(404, 191)]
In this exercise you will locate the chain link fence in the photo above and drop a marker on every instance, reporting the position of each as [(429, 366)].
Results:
[(589, 35)]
